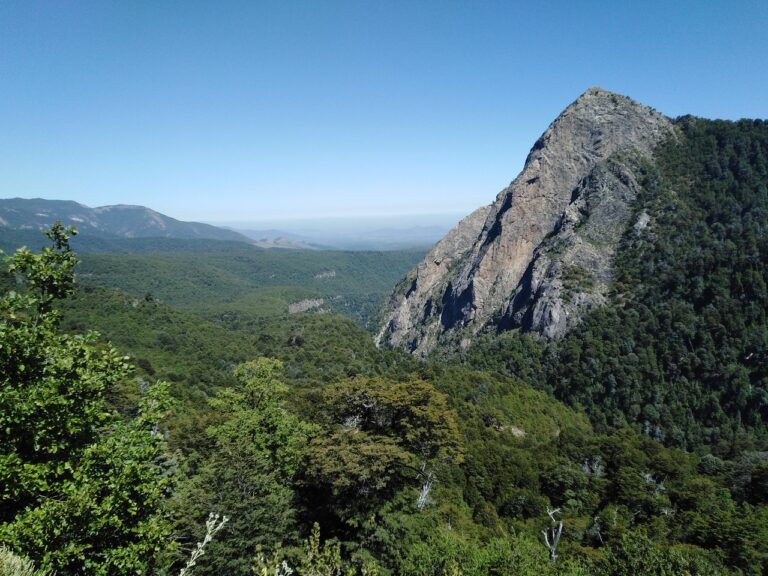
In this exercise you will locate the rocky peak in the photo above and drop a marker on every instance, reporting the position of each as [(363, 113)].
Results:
[(484, 268)]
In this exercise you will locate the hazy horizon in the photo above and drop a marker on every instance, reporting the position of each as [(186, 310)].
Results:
[(348, 221), (255, 111)]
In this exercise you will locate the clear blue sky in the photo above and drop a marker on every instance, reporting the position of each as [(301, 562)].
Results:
[(258, 109)]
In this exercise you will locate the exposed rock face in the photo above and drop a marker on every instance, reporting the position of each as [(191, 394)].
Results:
[(540, 255), (412, 302), (305, 305)]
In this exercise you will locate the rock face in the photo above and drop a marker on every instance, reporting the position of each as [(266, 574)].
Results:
[(540, 255), (305, 305)]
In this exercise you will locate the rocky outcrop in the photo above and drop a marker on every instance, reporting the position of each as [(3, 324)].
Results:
[(541, 254), (413, 301), (305, 305), (570, 271)]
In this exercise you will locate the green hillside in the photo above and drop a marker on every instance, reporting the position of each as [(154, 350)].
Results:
[(231, 281), (406, 467), (225, 280)]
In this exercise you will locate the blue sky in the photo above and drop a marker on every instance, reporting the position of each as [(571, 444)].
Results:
[(253, 110)]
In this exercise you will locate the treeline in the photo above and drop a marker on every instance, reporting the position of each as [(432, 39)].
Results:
[(682, 352)]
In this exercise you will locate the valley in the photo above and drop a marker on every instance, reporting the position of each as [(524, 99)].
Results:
[(572, 381)]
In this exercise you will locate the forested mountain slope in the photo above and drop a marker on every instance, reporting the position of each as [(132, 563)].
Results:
[(680, 351), (229, 281), (406, 467), (330, 455)]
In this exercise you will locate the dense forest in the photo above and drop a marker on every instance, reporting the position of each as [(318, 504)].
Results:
[(238, 438)]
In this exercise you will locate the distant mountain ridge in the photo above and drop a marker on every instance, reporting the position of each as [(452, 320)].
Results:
[(118, 221), (279, 239)]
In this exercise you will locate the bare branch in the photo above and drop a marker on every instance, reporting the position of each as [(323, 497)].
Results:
[(212, 525), (553, 533)]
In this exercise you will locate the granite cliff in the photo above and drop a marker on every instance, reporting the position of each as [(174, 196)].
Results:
[(540, 255)]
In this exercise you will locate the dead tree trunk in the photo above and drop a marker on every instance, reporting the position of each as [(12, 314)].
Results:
[(553, 533)]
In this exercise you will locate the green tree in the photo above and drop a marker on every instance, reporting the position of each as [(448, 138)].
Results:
[(446, 553), (635, 553), (257, 451), (79, 489), (382, 436)]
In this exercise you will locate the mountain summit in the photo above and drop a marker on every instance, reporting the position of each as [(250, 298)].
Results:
[(540, 255), (118, 221)]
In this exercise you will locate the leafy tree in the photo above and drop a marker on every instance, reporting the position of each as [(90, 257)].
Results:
[(383, 436), (635, 553), (680, 351), (256, 453), (446, 553), (79, 489)]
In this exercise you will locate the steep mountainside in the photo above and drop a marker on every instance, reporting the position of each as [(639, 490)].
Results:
[(540, 256), (121, 221), (680, 348)]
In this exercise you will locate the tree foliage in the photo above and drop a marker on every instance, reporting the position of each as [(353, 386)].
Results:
[(81, 489), (382, 436), (680, 354), (249, 474), (434, 468)]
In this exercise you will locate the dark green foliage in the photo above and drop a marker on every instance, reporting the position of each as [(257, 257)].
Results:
[(678, 356), (446, 553), (233, 280), (605, 486), (506, 354), (194, 354), (681, 353), (576, 279), (255, 455), (239, 281), (197, 355), (637, 554), (381, 436), (523, 453)]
